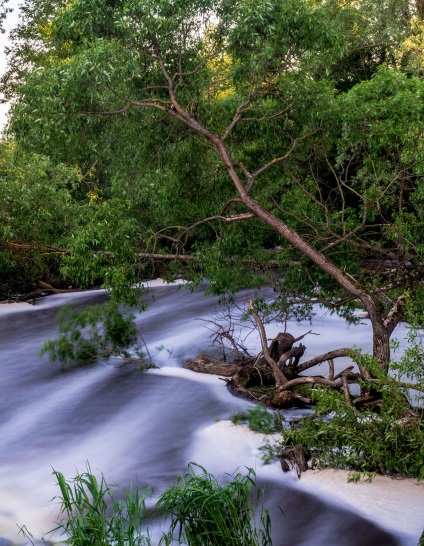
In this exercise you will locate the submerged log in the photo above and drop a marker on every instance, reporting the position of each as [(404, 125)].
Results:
[(44, 288), (209, 364)]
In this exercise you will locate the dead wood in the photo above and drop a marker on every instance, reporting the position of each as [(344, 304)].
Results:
[(42, 288), (289, 399), (292, 356), (46, 287), (323, 358), (330, 369), (311, 380), (294, 457), (210, 365), (280, 345), (279, 376), (274, 375), (256, 376), (346, 372)]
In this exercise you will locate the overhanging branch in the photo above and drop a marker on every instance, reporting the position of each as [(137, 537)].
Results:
[(337, 353)]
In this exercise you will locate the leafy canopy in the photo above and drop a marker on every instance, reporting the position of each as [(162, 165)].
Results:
[(319, 108)]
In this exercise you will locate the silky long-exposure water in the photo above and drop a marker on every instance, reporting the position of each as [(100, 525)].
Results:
[(148, 426)]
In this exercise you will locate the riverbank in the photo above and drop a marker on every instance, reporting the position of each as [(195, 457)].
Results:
[(16, 305), (8, 307)]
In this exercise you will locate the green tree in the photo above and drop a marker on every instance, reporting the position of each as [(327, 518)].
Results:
[(28, 43), (4, 10), (36, 216), (50, 213)]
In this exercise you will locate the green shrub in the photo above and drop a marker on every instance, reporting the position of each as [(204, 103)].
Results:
[(388, 441), (99, 331), (258, 418)]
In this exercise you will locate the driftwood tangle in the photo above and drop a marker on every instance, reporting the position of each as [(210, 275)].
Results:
[(252, 374), (274, 375)]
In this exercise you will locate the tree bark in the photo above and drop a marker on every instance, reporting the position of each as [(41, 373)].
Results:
[(381, 344), (279, 376), (323, 358), (420, 8)]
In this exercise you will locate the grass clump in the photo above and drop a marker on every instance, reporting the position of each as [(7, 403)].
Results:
[(92, 516), (204, 512)]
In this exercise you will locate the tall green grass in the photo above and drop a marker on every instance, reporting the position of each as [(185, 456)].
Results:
[(204, 512), (201, 511), (90, 515)]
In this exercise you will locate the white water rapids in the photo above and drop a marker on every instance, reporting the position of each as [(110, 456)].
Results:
[(149, 426)]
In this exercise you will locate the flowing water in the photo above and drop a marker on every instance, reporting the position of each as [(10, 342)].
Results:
[(149, 426)]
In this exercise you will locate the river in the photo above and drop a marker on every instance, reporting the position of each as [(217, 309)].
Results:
[(149, 426)]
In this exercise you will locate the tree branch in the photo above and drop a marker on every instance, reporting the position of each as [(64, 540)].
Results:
[(311, 380), (236, 117), (322, 358), (274, 161), (395, 314), (279, 376)]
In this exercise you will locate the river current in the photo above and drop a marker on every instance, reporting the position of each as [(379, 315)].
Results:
[(148, 426)]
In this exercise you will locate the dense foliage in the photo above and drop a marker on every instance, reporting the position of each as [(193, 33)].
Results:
[(387, 442), (37, 214), (99, 331), (319, 108)]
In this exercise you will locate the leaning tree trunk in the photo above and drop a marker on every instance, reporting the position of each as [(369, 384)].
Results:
[(381, 344), (381, 334)]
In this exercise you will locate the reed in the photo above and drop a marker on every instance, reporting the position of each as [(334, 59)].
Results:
[(201, 510), (90, 515), (205, 512)]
